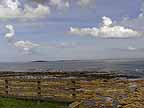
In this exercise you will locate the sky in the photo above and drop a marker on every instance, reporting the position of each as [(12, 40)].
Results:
[(71, 29)]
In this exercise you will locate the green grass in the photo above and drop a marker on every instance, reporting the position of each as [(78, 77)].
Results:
[(14, 103)]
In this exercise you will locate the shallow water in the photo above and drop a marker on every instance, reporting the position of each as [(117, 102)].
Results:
[(129, 67)]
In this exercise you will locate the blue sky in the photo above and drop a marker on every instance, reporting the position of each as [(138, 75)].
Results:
[(44, 33)]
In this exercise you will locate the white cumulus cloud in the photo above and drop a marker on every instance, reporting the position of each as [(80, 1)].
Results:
[(106, 21), (107, 30), (131, 48), (10, 34), (12, 4), (13, 9), (40, 11), (25, 46)]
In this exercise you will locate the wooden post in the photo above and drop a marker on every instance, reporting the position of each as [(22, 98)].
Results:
[(6, 87), (39, 88), (73, 88)]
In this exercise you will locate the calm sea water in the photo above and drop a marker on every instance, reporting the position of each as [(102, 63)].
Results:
[(131, 67)]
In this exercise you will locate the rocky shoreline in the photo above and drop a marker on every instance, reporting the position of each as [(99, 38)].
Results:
[(76, 74)]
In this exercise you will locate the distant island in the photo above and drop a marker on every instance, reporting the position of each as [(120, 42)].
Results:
[(39, 61), (96, 60)]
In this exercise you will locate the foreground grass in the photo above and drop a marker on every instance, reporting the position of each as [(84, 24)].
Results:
[(14, 103)]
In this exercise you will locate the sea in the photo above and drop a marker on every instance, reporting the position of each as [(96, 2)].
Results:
[(133, 67)]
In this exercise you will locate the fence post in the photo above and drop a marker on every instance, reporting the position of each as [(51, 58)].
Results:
[(6, 87), (73, 88), (39, 88)]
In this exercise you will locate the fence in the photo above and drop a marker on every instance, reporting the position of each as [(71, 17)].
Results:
[(63, 87), (56, 89), (59, 86)]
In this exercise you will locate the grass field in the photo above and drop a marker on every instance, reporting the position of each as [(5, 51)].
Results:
[(14, 103)]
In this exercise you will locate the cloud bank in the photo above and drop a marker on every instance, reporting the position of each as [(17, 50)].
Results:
[(107, 30), (14, 9), (36, 8)]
